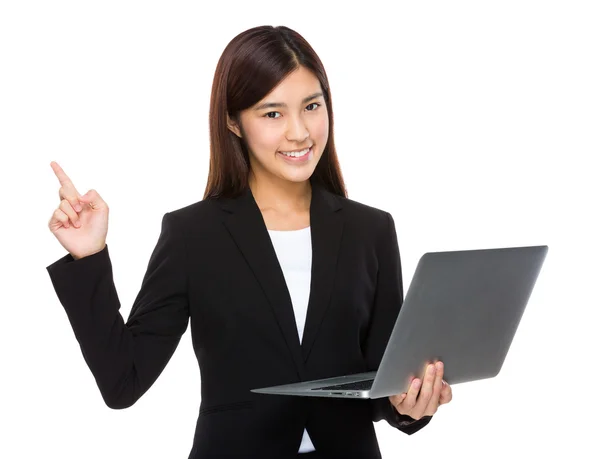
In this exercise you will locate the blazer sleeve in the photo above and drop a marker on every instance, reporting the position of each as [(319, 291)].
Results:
[(389, 297), (126, 358)]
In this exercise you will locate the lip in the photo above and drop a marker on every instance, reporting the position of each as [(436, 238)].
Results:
[(293, 151), (299, 159)]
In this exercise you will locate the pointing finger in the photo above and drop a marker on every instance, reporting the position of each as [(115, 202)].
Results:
[(67, 190), (60, 174)]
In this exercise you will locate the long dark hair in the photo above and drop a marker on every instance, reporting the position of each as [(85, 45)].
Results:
[(251, 65)]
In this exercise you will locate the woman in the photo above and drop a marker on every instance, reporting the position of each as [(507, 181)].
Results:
[(283, 277)]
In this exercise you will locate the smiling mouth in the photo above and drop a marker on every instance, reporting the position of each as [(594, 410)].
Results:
[(296, 154)]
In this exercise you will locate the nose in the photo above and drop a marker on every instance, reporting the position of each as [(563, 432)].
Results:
[(296, 130)]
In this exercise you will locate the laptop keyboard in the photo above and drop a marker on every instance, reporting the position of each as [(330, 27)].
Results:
[(358, 385)]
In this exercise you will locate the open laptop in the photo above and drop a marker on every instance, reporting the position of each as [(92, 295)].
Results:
[(462, 308)]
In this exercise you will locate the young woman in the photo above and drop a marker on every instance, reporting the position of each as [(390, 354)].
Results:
[(282, 277)]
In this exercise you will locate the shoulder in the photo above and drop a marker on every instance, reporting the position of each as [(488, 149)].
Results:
[(364, 217), (195, 215), (360, 209), (356, 209), (193, 210)]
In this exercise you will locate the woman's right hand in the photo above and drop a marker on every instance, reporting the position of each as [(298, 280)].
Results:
[(80, 223)]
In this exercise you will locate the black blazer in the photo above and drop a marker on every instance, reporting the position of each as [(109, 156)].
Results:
[(214, 264)]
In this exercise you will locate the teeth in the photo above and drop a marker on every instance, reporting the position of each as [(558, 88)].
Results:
[(295, 154)]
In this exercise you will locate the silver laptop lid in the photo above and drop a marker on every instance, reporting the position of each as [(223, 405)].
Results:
[(463, 308)]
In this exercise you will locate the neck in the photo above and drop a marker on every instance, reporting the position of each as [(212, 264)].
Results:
[(280, 195)]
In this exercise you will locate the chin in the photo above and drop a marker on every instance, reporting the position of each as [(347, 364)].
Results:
[(299, 177)]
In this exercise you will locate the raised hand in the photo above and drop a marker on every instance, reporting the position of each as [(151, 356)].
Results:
[(80, 223), (423, 397)]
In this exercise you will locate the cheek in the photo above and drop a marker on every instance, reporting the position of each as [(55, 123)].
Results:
[(320, 130), (261, 138)]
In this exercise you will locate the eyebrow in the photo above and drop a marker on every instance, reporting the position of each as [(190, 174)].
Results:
[(281, 104)]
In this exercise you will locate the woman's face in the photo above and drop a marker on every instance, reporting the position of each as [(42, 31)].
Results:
[(287, 130)]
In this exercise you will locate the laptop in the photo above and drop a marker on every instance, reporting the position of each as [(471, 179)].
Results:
[(462, 307)]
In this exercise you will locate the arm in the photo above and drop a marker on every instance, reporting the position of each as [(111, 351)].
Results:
[(388, 300), (126, 358)]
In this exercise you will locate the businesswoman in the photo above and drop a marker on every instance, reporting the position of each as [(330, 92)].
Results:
[(281, 276)]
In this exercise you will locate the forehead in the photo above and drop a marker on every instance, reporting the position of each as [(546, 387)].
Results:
[(294, 88)]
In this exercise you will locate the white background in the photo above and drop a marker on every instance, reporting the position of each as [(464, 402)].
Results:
[(475, 124)]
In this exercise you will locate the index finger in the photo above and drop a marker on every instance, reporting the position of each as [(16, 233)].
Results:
[(64, 180), (62, 177)]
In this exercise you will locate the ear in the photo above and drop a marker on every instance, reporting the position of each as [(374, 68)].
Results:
[(233, 127)]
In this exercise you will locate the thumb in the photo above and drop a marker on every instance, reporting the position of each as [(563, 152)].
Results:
[(92, 197)]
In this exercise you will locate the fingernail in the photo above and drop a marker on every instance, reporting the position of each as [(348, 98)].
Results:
[(77, 207), (416, 383), (431, 369), (77, 224)]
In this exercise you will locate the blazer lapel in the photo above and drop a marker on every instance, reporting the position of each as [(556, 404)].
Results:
[(326, 224), (247, 227)]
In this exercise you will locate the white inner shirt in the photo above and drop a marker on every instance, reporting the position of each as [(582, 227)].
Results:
[(294, 252)]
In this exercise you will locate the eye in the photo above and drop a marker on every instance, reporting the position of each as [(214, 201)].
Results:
[(267, 115)]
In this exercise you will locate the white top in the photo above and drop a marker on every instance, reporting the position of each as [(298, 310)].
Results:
[(294, 252)]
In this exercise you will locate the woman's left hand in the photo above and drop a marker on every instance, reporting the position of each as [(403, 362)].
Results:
[(424, 401)]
